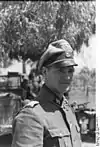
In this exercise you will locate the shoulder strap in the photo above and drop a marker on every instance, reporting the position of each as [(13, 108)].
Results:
[(31, 104)]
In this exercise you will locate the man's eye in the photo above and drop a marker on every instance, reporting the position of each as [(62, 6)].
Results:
[(71, 70), (62, 71)]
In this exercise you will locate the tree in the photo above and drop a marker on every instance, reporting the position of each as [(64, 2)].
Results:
[(88, 77), (4, 59), (93, 79), (28, 27), (84, 76), (19, 36)]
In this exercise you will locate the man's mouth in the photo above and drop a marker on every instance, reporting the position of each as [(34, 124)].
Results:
[(67, 83)]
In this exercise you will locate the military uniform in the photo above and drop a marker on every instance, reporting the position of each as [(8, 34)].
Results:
[(47, 122)]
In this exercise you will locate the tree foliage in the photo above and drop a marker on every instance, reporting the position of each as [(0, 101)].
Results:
[(85, 79), (28, 27)]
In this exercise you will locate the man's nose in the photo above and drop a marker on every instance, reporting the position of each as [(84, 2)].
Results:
[(68, 78)]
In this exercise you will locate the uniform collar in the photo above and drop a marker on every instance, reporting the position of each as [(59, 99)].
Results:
[(47, 95)]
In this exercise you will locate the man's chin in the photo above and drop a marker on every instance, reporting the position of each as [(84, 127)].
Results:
[(66, 89), (63, 90)]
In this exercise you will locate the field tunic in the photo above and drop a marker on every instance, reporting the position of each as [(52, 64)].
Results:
[(47, 122)]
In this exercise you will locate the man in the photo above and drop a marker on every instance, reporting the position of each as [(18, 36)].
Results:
[(49, 121), (27, 90)]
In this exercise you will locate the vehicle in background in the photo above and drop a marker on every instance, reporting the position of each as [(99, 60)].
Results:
[(10, 100), (86, 119)]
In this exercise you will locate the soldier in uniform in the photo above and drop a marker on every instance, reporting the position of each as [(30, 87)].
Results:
[(49, 120)]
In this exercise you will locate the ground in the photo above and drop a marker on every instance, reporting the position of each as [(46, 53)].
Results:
[(79, 96)]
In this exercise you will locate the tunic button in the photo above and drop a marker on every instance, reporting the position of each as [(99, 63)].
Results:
[(70, 124), (60, 134)]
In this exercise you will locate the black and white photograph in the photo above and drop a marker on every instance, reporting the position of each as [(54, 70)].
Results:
[(48, 74)]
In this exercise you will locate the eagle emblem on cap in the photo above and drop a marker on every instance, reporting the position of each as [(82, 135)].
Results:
[(69, 54)]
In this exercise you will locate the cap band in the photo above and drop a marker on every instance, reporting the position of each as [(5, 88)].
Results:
[(57, 58)]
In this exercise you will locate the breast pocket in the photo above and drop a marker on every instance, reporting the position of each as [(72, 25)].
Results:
[(59, 138)]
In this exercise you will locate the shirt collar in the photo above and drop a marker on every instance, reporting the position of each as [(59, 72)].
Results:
[(47, 95)]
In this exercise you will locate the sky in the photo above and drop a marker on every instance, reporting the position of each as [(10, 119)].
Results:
[(87, 56), (15, 67)]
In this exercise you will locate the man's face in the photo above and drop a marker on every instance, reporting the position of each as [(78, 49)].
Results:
[(59, 79)]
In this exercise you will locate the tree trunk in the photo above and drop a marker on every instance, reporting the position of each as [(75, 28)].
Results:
[(24, 67), (87, 91)]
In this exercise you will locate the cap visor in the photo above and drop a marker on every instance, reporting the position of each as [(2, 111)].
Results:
[(64, 63)]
